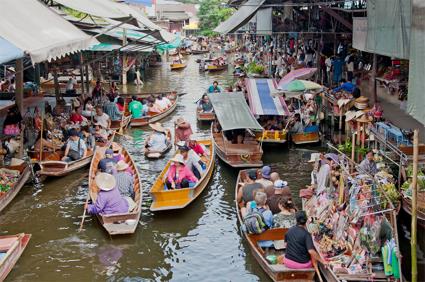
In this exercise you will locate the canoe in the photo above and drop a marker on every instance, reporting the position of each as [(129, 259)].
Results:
[(276, 272), (152, 154), (272, 136), (248, 154), (214, 68), (11, 249), (25, 173), (198, 52), (305, 138), (154, 117), (420, 212), (181, 198), (178, 66), (185, 53), (122, 123), (201, 116), (205, 60), (123, 223)]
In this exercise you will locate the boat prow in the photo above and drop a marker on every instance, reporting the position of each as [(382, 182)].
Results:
[(178, 66), (24, 175), (11, 247)]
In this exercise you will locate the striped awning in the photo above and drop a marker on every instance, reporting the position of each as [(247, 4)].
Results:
[(261, 100)]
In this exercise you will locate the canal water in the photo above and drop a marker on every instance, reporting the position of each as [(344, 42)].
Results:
[(200, 243)]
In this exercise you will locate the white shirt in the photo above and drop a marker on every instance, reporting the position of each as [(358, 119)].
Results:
[(70, 84), (328, 63), (167, 101), (103, 120), (161, 103)]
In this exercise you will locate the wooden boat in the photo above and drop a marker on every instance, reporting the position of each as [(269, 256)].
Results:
[(201, 116), (206, 60), (178, 66), (214, 68), (420, 212), (180, 198), (154, 117), (11, 249), (185, 52), (276, 272), (7, 197), (147, 94), (248, 154), (305, 138), (198, 52), (122, 123), (123, 223), (152, 154), (272, 136)]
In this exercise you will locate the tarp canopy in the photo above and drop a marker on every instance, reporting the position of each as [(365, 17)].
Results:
[(132, 35), (261, 100), (40, 32), (233, 112), (9, 52), (240, 17)]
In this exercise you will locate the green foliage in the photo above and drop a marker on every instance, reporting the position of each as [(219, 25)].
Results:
[(254, 68), (347, 147), (211, 14)]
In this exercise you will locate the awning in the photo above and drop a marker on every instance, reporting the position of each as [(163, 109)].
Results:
[(261, 101), (118, 33), (233, 112), (40, 32), (9, 52), (108, 47), (240, 17)]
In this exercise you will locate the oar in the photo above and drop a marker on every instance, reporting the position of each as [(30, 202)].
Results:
[(316, 268), (85, 211)]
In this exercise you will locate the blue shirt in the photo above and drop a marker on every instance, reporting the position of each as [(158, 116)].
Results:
[(346, 86)]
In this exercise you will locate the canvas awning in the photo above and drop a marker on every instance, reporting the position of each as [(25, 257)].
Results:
[(40, 32), (9, 52), (240, 17), (261, 100), (233, 112)]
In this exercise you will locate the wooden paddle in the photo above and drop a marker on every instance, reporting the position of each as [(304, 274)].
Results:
[(85, 211), (316, 268)]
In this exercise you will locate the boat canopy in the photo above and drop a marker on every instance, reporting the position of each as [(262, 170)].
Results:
[(9, 51), (233, 112), (261, 98)]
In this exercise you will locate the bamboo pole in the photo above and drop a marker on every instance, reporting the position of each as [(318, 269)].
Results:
[(413, 240), (353, 149), (41, 136)]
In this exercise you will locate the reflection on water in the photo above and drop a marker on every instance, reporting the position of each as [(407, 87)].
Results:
[(200, 243)]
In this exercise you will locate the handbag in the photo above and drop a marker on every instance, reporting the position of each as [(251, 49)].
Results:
[(74, 155)]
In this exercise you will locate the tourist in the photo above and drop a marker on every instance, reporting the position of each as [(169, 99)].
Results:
[(108, 200), (337, 66), (12, 86), (70, 86), (166, 100), (77, 117), (214, 88), (157, 141), (75, 148), (249, 188), (192, 160), (107, 164), (88, 138), (286, 217), (110, 108), (113, 90), (276, 191), (179, 176), (299, 245), (100, 133), (124, 180), (323, 174), (162, 103), (205, 105), (264, 178), (259, 205), (135, 107), (368, 165), (200, 149), (346, 86), (182, 130), (101, 118), (274, 176)]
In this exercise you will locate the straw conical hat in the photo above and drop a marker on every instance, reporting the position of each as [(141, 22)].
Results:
[(157, 126), (105, 181)]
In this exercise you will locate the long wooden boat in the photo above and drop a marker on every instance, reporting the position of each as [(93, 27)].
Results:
[(154, 117), (248, 154), (147, 94), (180, 198), (11, 249), (123, 223), (201, 116), (178, 66), (7, 197), (185, 52), (214, 68), (198, 52), (276, 272), (305, 138), (420, 212), (152, 154), (272, 136)]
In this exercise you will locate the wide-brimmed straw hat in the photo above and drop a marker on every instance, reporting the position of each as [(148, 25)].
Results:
[(105, 181), (350, 115), (157, 126), (362, 99), (364, 119), (122, 165), (314, 157), (178, 159), (180, 121)]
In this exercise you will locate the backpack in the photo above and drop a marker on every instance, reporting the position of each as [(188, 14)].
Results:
[(254, 222)]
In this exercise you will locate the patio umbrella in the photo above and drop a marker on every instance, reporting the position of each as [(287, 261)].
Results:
[(300, 86), (303, 73)]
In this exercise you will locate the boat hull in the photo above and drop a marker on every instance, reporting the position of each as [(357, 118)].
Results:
[(11, 194), (272, 136), (144, 121), (305, 138), (178, 66), (152, 155), (205, 116), (60, 168), (407, 207), (13, 253)]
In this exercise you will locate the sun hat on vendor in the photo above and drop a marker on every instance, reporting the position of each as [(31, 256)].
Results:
[(121, 165), (178, 159), (105, 181), (314, 157), (157, 126), (180, 121), (266, 171)]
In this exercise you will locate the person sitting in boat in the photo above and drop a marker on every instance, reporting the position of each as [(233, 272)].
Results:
[(276, 191), (108, 200), (179, 175), (297, 126), (286, 217), (135, 107), (299, 245), (166, 100), (88, 138), (214, 88), (205, 105), (120, 104), (102, 118), (192, 160), (259, 205), (75, 148), (264, 176), (45, 141), (77, 117), (125, 180), (153, 107), (249, 188), (199, 149), (161, 103), (111, 109), (100, 134), (88, 108), (158, 140), (108, 163), (182, 131)]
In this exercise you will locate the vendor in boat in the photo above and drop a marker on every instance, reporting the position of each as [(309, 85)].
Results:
[(110, 108), (275, 192), (368, 165), (158, 140), (108, 200), (108, 163), (214, 88), (249, 187), (135, 107), (286, 216), (182, 131), (125, 180), (300, 250), (77, 117), (12, 123), (103, 119), (205, 105), (297, 126), (179, 175), (75, 148), (192, 160), (264, 176)]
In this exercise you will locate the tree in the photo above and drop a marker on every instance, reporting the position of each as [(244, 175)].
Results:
[(211, 14)]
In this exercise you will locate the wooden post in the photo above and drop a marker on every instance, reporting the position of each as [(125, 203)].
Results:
[(124, 58), (86, 67), (56, 82), (374, 71), (81, 74), (353, 149), (413, 239), (19, 82)]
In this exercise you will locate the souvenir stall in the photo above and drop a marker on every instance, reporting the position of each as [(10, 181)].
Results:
[(337, 104), (353, 224)]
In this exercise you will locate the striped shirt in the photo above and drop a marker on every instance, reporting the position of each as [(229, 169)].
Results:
[(125, 184)]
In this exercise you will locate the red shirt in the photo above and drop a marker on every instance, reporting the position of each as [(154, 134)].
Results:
[(76, 118), (198, 149), (120, 107)]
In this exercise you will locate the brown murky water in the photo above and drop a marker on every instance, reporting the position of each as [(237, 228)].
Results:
[(199, 243)]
